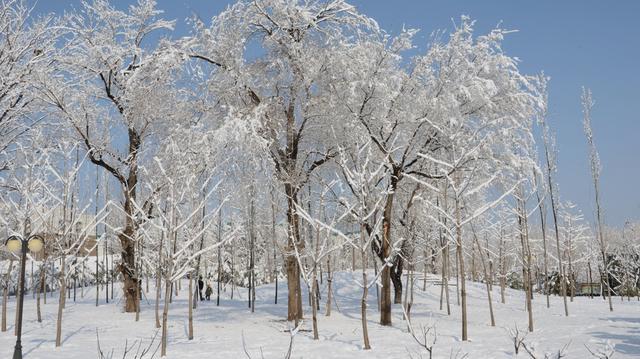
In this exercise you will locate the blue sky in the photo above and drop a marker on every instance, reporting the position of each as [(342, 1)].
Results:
[(576, 43)]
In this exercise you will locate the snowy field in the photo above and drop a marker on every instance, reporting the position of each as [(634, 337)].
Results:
[(219, 331)]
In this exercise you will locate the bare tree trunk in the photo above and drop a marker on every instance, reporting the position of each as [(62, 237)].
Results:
[(365, 291), (446, 280), (502, 269), (253, 292), (219, 256), (474, 275), (444, 285), (446, 256), (106, 248), (410, 285), (159, 279), (276, 274), (424, 278), (457, 276), (252, 237), (157, 304), (294, 244), (294, 302), (590, 280), (587, 104), (270, 259), (528, 293), (274, 242), (375, 272), (190, 333), (168, 265), (572, 282), (165, 315), (353, 259), (113, 276), (526, 258), (314, 308), (44, 282), (543, 228), (406, 292), (486, 279), (75, 280), (61, 303), (41, 284), (317, 265), (396, 272), (460, 256), (128, 264), (444, 263), (233, 270), (138, 280), (96, 215), (463, 292), (554, 212), (329, 287), (5, 295), (198, 291), (491, 271), (434, 267), (385, 300), (363, 311)]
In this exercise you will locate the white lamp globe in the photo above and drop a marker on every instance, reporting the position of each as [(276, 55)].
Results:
[(35, 244), (14, 244)]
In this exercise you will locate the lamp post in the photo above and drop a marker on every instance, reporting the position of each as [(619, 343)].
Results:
[(19, 245)]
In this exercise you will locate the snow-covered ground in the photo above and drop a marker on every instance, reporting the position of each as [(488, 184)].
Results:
[(219, 331)]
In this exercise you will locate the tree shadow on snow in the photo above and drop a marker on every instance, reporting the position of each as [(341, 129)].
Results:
[(629, 342)]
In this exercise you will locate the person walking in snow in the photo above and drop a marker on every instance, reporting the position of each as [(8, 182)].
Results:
[(209, 291), (200, 287)]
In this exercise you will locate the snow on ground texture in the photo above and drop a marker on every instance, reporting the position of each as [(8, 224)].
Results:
[(219, 331)]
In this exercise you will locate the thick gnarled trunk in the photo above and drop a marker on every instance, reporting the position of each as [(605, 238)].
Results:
[(127, 268), (396, 279), (128, 236), (385, 252), (294, 246)]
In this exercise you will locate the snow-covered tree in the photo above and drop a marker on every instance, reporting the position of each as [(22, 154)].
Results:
[(26, 45), (112, 84), (282, 92)]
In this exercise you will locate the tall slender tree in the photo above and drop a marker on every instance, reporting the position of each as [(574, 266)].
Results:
[(594, 161)]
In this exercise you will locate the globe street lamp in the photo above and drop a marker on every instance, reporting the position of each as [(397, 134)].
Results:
[(19, 245)]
